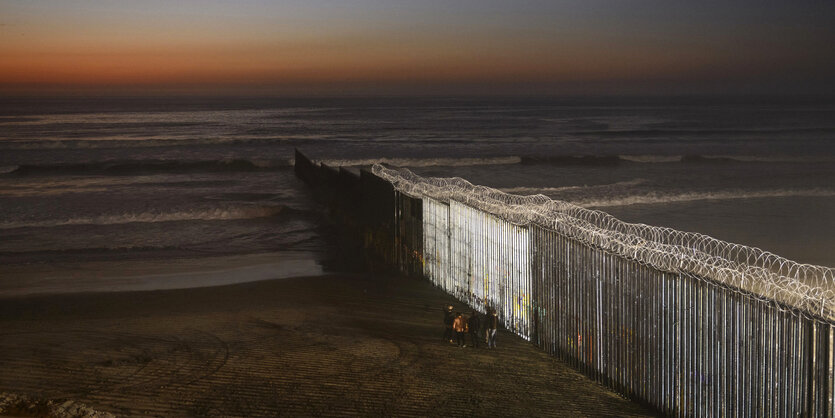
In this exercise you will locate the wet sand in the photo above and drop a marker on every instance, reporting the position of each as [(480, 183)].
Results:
[(22, 279), (318, 346)]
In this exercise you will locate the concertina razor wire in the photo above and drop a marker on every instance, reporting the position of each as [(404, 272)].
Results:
[(807, 288)]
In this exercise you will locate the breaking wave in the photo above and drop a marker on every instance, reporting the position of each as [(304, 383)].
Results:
[(424, 162), (672, 132), (760, 158), (661, 158), (210, 214), (651, 158), (572, 159), (659, 198), (553, 190), (538, 190), (132, 167)]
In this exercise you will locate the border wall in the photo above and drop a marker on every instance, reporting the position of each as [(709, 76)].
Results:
[(684, 338), (378, 227)]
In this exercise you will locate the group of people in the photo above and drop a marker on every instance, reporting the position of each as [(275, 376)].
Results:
[(457, 326)]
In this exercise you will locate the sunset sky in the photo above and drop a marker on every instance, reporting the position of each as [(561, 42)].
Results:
[(396, 46)]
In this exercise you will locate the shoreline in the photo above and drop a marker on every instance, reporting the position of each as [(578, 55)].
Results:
[(147, 275)]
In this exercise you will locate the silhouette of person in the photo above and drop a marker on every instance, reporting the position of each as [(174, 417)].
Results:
[(474, 325), (460, 328), (449, 318), (492, 326)]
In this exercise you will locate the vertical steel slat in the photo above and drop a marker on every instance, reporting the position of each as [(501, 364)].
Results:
[(766, 357), (685, 331), (810, 351), (725, 354), (716, 316), (772, 348), (781, 363), (747, 302), (698, 314), (743, 355), (796, 378)]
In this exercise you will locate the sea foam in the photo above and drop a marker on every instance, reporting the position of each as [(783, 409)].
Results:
[(662, 198), (210, 214)]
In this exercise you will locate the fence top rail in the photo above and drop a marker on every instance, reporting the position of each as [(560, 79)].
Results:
[(806, 287)]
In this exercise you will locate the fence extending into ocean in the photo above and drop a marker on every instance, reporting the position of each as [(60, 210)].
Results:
[(682, 322)]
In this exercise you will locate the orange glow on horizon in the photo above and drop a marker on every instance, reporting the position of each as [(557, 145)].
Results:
[(121, 43), (288, 64)]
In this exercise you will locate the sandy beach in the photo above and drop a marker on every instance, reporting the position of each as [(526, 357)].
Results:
[(316, 346)]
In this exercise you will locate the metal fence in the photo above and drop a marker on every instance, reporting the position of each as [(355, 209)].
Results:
[(683, 343), (684, 323)]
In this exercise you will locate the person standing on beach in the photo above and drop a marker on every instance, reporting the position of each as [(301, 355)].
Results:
[(492, 326), (449, 318), (473, 326), (460, 328)]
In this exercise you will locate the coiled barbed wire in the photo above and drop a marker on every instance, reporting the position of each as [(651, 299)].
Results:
[(807, 288)]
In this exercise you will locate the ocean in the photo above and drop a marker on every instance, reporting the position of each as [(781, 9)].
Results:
[(120, 193)]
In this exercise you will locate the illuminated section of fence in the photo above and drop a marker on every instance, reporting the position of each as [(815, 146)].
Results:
[(479, 258), (686, 323), (436, 244)]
